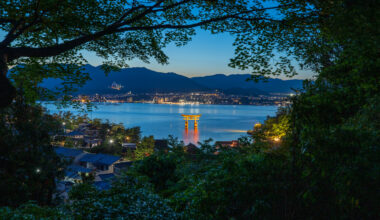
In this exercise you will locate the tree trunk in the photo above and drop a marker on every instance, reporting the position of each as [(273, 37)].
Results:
[(7, 90)]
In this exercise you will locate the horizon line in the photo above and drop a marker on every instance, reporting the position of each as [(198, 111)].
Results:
[(202, 75)]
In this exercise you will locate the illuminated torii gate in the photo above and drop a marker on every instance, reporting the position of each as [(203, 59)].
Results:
[(195, 118)]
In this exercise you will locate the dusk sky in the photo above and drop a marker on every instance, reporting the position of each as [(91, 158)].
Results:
[(206, 54)]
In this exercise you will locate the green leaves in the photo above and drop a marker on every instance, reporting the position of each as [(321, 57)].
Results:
[(31, 76), (145, 148), (29, 164)]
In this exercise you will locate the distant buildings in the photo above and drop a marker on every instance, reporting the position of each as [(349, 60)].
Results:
[(215, 97), (75, 135), (234, 143), (102, 167), (102, 163), (69, 154), (116, 86), (129, 146)]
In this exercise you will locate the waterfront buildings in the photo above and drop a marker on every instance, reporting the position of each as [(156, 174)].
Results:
[(190, 98)]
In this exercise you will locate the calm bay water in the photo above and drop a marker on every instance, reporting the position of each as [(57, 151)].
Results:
[(219, 122)]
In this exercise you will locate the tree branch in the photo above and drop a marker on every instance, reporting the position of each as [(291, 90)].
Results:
[(208, 21), (130, 11), (15, 53), (147, 11), (172, 5), (20, 27)]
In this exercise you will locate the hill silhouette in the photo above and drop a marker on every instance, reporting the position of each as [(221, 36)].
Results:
[(143, 80), (240, 81)]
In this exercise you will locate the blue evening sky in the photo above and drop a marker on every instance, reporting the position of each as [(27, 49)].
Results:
[(206, 54)]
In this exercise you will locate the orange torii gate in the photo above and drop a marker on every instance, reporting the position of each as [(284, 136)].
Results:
[(195, 118)]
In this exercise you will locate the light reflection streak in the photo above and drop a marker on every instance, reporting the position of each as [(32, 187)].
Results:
[(191, 136)]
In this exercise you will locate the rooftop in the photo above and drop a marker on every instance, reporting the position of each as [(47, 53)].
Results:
[(73, 171), (67, 152), (192, 149), (123, 164), (74, 133), (107, 176), (103, 159), (78, 169)]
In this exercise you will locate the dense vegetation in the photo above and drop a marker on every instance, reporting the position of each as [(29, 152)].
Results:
[(318, 159), (28, 164), (111, 136)]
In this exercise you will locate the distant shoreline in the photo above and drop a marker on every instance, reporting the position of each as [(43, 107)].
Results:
[(118, 103)]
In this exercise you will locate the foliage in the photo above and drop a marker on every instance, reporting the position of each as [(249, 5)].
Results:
[(32, 74), (278, 126), (127, 199), (238, 187), (31, 211), (160, 169), (69, 120), (87, 177), (28, 163), (337, 155), (69, 143), (113, 135), (145, 148), (236, 183), (82, 191), (274, 129), (334, 133)]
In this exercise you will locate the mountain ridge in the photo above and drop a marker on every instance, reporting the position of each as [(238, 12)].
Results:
[(144, 80)]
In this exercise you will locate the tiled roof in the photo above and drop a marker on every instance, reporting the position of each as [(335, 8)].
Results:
[(72, 171), (71, 174), (77, 168), (74, 133), (102, 159), (67, 152), (192, 149), (123, 164), (107, 176)]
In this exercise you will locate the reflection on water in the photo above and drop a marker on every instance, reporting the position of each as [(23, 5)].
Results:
[(191, 136), (219, 122), (233, 130)]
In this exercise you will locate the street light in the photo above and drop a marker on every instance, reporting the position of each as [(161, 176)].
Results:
[(64, 127), (111, 141)]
